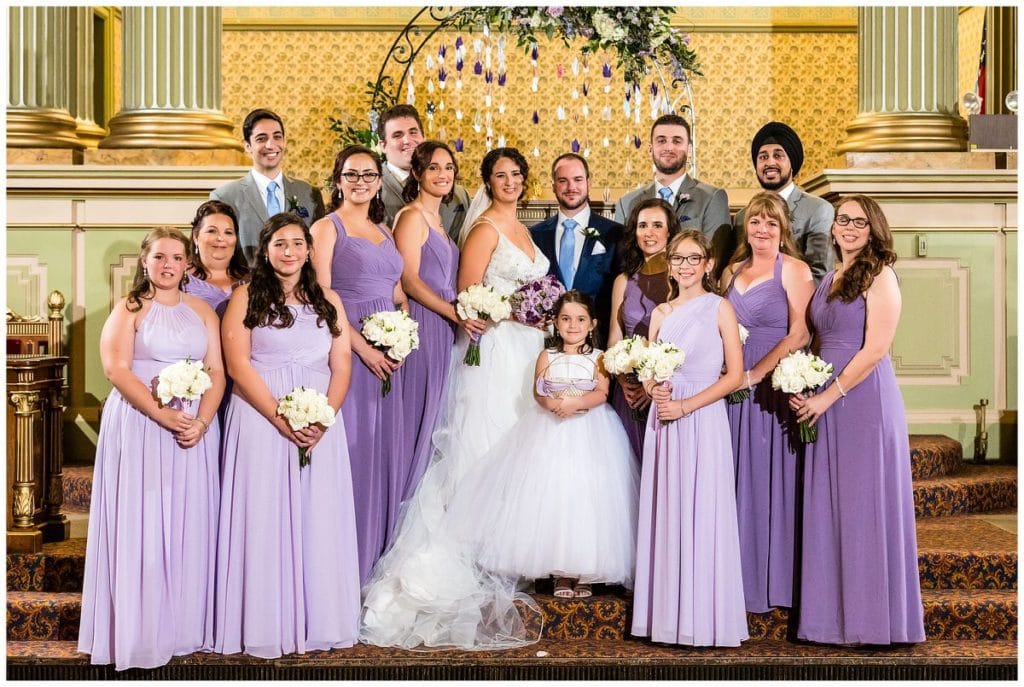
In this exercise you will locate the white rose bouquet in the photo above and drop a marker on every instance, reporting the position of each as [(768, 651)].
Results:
[(185, 380), (742, 394), (303, 407), (799, 372), (659, 360), (622, 359), (484, 303), (394, 333)]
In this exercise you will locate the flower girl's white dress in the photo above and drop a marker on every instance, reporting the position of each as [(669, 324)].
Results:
[(555, 496)]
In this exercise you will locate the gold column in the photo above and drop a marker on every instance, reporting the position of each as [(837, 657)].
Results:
[(38, 113), (1001, 74), (907, 79), (171, 81), (82, 77)]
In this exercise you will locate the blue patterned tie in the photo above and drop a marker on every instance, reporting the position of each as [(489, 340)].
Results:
[(666, 194), (567, 252), (273, 204)]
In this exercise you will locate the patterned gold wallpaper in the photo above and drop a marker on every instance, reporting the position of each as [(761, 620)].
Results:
[(969, 27), (808, 79)]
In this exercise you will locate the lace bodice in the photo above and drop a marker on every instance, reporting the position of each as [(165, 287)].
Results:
[(510, 267)]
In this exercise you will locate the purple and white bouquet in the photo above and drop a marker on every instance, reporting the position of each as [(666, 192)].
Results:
[(185, 380), (623, 359), (393, 332), (479, 302), (742, 394), (659, 361), (534, 301), (303, 407), (799, 372)]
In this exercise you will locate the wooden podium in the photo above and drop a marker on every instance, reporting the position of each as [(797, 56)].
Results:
[(35, 406)]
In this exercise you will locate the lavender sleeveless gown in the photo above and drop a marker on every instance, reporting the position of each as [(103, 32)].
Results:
[(859, 577), (287, 577), (149, 562), (426, 369), (379, 441), (213, 295), (688, 585), (766, 461), (644, 293)]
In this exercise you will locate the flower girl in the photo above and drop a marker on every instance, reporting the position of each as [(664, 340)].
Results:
[(688, 579), (558, 496)]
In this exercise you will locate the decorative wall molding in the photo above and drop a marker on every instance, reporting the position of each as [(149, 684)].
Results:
[(122, 273), (949, 279), (27, 285)]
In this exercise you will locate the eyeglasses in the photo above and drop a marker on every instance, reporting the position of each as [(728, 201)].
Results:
[(353, 177), (859, 222), (676, 260)]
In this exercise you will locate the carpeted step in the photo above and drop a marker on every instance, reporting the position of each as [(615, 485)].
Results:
[(59, 567), (77, 486), (555, 660), (965, 552), (934, 455), (43, 615), (975, 489)]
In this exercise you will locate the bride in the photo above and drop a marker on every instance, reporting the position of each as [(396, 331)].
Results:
[(427, 590)]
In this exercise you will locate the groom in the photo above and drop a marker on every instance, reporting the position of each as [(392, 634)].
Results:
[(580, 244)]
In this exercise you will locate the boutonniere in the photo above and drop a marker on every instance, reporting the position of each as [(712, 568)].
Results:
[(590, 233), (683, 198), (293, 206)]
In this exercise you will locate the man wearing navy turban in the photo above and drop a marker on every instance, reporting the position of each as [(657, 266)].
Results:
[(778, 155)]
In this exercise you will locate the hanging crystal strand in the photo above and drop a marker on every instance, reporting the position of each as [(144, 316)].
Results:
[(410, 93)]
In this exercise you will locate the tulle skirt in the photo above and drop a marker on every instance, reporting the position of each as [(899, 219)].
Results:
[(554, 497)]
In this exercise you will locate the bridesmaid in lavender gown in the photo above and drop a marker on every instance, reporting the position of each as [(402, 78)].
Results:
[(356, 257), (859, 579), (769, 286), (642, 286), (431, 262), (216, 263), (287, 576), (688, 586), (149, 560)]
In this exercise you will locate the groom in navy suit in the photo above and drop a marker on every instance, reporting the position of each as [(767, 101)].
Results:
[(580, 244)]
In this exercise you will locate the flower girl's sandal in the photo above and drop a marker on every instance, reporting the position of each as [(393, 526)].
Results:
[(583, 591), (563, 588)]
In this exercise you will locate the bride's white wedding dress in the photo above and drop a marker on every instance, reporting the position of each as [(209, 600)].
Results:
[(427, 590)]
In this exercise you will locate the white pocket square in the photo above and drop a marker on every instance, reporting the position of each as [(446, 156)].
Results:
[(598, 249)]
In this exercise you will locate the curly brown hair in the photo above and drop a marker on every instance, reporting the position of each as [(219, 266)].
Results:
[(771, 205), (869, 262), (698, 237), (421, 158), (267, 306), (238, 268), (142, 289)]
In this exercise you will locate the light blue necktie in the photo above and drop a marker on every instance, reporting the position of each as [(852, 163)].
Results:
[(567, 252), (666, 194), (273, 204)]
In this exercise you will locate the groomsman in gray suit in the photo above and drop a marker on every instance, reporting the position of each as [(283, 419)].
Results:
[(266, 190), (697, 205), (778, 154), (401, 131)]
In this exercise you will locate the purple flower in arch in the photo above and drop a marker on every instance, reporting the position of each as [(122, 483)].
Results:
[(442, 51), (554, 12), (458, 64), (606, 71), (489, 76), (587, 32), (458, 144), (458, 42), (534, 52), (654, 89), (501, 78), (536, 117), (478, 68), (586, 90), (636, 142), (575, 146)]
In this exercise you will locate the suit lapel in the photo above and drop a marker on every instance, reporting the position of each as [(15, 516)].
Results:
[(683, 195), (252, 195), (392, 182)]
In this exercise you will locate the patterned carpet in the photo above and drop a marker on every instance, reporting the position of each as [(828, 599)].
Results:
[(968, 571)]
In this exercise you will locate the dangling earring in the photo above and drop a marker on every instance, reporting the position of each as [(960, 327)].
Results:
[(145, 273)]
